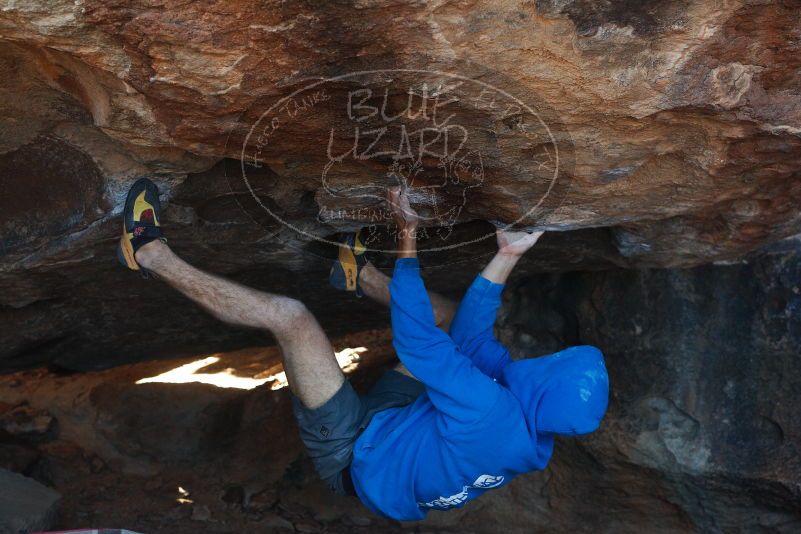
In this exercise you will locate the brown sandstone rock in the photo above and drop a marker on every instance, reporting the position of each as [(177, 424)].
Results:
[(676, 124)]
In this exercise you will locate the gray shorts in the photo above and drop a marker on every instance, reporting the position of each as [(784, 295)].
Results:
[(330, 431)]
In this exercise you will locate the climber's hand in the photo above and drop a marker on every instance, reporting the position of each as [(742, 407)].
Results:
[(511, 246), (515, 243), (406, 219), (402, 212)]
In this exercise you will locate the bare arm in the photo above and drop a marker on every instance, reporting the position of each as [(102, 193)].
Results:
[(406, 219), (460, 391), (472, 327), (511, 247)]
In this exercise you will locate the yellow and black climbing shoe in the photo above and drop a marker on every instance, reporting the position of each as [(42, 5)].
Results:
[(352, 258), (140, 221)]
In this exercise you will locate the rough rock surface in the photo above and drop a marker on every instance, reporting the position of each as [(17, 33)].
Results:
[(675, 124), (26, 505), (701, 432), (701, 435)]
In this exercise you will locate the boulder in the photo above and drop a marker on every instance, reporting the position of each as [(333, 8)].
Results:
[(701, 433), (645, 134), (26, 505)]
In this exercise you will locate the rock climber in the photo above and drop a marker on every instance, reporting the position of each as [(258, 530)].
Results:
[(459, 417)]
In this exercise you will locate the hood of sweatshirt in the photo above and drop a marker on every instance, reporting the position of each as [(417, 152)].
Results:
[(564, 393)]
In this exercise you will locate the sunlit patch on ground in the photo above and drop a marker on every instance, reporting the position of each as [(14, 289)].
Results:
[(174, 454), (231, 377), (183, 496)]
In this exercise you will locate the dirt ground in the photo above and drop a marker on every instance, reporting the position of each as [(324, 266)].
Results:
[(181, 457)]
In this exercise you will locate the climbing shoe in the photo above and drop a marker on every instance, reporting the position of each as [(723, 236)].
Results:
[(140, 221), (352, 258)]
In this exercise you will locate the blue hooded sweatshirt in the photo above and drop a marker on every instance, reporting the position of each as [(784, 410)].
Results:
[(484, 418)]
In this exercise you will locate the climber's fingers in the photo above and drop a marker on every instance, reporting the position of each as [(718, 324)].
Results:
[(402, 212), (516, 242)]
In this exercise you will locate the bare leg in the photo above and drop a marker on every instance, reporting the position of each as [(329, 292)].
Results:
[(375, 285), (311, 367)]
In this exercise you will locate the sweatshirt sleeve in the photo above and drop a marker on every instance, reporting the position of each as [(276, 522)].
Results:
[(472, 327), (458, 389)]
